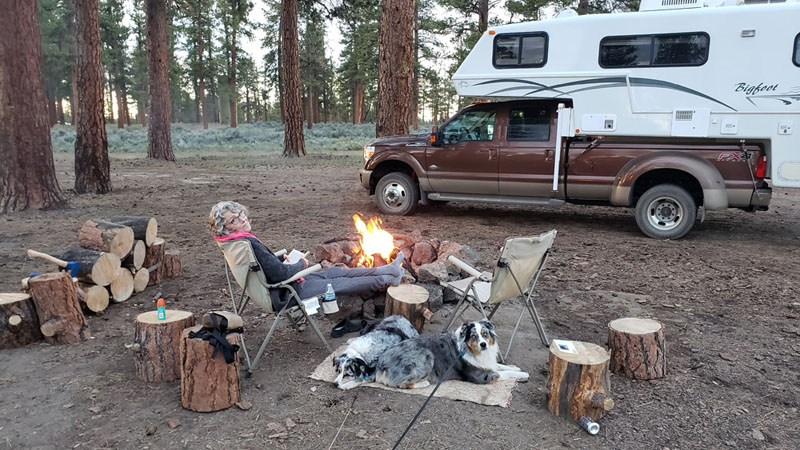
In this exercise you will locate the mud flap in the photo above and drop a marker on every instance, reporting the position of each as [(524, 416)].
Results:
[(701, 213)]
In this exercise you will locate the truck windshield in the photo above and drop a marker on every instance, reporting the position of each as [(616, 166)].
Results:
[(469, 126)]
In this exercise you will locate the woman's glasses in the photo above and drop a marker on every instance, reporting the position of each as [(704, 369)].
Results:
[(240, 217)]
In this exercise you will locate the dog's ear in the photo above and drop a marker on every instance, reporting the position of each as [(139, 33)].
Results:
[(337, 362)]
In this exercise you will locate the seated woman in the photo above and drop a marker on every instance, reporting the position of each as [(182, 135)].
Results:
[(228, 221)]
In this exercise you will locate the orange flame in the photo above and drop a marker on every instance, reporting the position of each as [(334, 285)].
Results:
[(374, 240)]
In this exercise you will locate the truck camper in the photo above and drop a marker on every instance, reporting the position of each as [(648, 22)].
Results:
[(674, 110)]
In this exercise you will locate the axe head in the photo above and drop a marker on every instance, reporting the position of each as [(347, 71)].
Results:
[(73, 267)]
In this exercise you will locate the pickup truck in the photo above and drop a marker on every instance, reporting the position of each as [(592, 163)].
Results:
[(506, 153)]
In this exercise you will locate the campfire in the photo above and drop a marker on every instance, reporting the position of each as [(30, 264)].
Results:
[(374, 242)]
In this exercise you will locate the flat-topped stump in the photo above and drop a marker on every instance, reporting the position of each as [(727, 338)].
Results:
[(157, 345), (207, 384)]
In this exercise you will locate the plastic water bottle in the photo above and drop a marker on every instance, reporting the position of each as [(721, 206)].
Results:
[(162, 309), (329, 294), (589, 425)]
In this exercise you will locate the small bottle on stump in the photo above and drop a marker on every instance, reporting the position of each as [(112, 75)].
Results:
[(162, 309)]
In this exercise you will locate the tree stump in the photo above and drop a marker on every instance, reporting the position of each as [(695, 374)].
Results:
[(19, 324), (135, 258), (207, 384), (172, 264), (106, 237), (409, 301), (638, 349), (579, 384), (144, 228), (154, 256), (122, 286), (96, 267), (95, 298), (157, 345), (61, 319)]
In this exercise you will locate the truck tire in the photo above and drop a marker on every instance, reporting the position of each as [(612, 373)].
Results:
[(397, 194), (666, 211)]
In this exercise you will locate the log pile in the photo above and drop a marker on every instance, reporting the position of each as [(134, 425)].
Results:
[(114, 260)]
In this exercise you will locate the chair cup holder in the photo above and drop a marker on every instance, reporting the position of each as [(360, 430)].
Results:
[(330, 307)]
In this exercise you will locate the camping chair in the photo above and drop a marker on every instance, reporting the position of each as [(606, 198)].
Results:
[(517, 270), (240, 261)]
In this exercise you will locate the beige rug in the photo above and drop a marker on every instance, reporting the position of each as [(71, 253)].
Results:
[(495, 394)]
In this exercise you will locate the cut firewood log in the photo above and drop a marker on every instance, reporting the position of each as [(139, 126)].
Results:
[(157, 345), (105, 236), (171, 264), (207, 384), (96, 267), (122, 287), (144, 228), (153, 261), (19, 323), (95, 298), (409, 301), (135, 258), (638, 349), (140, 279), (61, 319), (579, 383)]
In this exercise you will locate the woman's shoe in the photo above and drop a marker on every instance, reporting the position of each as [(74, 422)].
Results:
[(346, 326)]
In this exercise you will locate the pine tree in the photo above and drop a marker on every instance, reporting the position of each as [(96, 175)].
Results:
[(293, 140), (92, 169), (396, 67), (233, 14), (113, 34), (358, 71), (158, 131), (27, 173)]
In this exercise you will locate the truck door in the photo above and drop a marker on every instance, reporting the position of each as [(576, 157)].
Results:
[(528, 153), (466, 162)]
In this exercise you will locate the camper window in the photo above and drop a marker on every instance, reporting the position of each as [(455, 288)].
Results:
[(686, 49), (520, 50), (529, 124), (796, 56), (469, 126)]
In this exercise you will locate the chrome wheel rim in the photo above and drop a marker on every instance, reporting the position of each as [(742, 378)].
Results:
[(665, 213), (394, 195)]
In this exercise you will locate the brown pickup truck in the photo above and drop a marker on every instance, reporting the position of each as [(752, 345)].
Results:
[(505, 152)]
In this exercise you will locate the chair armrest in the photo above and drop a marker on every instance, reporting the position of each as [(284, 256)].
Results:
[(464, 266), (280, 252), (302, 273)]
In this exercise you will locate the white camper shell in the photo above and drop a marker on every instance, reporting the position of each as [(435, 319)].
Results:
[(673, 69)]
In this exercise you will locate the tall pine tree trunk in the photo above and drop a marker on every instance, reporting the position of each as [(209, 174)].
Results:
[(395, 66), (51, 109), (415, 81), (73, 101), (125, 104), (310, 111), (201, 84), (293, 142), (159, 140), (27, 174), (483, 15), (358, 101), (60, 110), (232, 81), (120, 107), (92, 171)]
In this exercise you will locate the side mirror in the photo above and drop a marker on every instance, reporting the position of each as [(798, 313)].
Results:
[(434, 139)]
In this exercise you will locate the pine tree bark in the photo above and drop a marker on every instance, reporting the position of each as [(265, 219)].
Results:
[(201, 83), (483, 15), (232, 81), (27, 174), (60, 110), (310, 112), (92, 168), (395, 67), (159, 140), (293, 141), (414, 110), (358, 102)]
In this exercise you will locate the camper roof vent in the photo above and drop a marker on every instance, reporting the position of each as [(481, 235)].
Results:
[(662, 5)]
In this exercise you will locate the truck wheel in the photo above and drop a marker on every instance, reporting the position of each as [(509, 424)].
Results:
[(666, 211), (396, 193)]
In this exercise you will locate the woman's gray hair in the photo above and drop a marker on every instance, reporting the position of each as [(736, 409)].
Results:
[(217, 221)]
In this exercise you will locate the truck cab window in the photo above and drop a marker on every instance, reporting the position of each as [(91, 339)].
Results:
[(469, 126), (529, 124)]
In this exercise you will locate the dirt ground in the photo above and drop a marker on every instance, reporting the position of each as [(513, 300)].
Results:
[(725, 294)]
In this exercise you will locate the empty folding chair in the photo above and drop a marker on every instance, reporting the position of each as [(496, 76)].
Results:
[(516, 272), (240, 261)]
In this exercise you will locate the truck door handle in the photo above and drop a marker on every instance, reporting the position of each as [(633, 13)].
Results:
[(492, 152)]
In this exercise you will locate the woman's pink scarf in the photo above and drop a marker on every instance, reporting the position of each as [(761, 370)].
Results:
[(235, 235)]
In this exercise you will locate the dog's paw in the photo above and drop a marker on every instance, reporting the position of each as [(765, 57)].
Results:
[(491, 377)]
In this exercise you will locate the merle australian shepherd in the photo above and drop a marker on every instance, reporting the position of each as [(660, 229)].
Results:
[(357, 363), (468, 354)]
